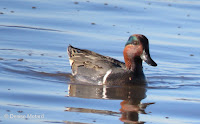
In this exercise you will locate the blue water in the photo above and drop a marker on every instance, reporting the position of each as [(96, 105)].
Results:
[(35, 71)]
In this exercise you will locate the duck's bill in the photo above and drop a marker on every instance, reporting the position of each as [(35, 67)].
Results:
[(147, 58)]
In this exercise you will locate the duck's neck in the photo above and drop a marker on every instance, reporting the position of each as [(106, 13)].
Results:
[(132, 60), (134, 64)]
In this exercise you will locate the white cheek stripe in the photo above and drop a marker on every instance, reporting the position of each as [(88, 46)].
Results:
[(143, 56), (106, 75)]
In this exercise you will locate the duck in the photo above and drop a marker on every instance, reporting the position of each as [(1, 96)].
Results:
[(91, 67)]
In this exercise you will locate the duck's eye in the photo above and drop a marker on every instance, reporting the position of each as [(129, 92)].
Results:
[(135, 42)]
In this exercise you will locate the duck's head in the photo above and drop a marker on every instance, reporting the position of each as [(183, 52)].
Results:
[(137, 49)]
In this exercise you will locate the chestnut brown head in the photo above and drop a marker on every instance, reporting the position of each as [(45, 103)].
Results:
[(137, 46)]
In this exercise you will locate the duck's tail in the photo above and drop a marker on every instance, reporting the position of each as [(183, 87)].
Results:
[(69, 50), (72, 51)]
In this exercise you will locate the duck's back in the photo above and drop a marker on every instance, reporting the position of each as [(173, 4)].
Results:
[(91, 67)]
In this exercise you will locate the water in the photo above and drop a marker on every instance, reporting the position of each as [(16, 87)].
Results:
[(35, 72)]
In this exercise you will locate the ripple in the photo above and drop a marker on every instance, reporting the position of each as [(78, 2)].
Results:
[(28, 27)]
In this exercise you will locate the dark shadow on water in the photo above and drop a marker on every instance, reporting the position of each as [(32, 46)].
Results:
[(131, 97)]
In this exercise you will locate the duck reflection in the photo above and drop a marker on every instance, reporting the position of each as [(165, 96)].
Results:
[(131, 105)]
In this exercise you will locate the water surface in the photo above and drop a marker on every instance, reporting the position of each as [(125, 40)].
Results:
[(35, 72)]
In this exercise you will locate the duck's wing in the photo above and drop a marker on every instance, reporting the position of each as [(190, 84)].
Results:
[(88, 63)]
